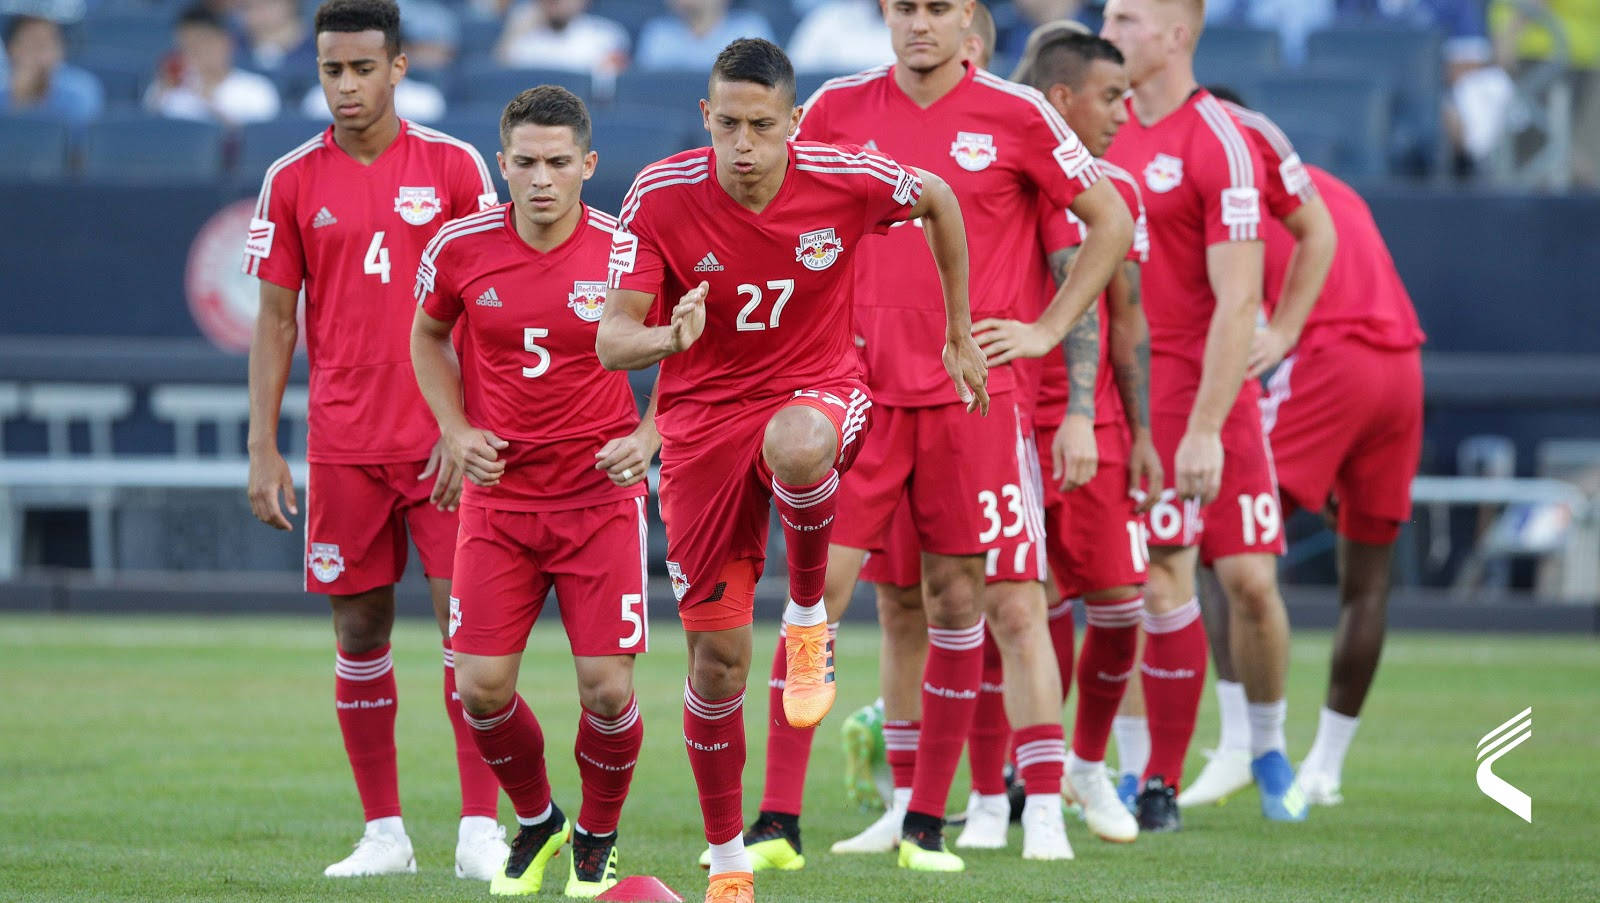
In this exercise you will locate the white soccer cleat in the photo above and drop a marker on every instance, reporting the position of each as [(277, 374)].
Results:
[(882, 836), (1103, 810), (1044, 833), (1319, 789), (1227, 773), (376, 853), (988, 817), (481, 848)]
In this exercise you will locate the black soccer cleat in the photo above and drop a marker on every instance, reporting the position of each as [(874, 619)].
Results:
[(1016, 793), (1157, 807)]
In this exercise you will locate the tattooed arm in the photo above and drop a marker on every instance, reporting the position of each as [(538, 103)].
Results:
[(1073, 452), (1130, 365)]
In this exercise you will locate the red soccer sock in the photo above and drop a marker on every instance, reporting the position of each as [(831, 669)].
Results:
[(788, 748), (1041, 757), (900, 742), (949, 698), (1173, 675), (1062, 634), (512, 743), (991, 730), (713, 731), (480, 789), (365, 697), (807, 515), (606, 750), (1109, 645)]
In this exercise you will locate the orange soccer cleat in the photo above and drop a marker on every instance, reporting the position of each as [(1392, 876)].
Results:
[(732, 887), (808, 688)]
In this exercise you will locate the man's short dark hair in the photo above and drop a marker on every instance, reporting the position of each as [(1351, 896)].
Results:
[(758, 61), (1223, 92), (1064, 59), (199, 15), (550, 105), (362, 15), (15, 24)]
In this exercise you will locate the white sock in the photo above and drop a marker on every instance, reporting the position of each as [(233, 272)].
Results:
[(730, 856), (391, 826), (992, 802), (1334, 733), (1235, 715), (1040, 800), (902, 798), (537, 819), (1133, 743), (1266, 727), (1077, 766), (805, 615), (473, 825)]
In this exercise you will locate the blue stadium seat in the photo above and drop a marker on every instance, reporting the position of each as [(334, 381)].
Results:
[(780, 15), (137, 35), (478, 38), (486, 83), (663, 91), (479, 126), (1232, 54), (32, 149), (629, 139), (1352, 111), (262, 143), (149, 150), (1411, 61), (122, 75), (630, 14)]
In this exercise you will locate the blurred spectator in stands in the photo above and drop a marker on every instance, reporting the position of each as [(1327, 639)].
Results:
[(841, 36), (1529, 32), (695, 32), (429, 35), (276, 38), (1293, 20), (198, 80), (561, 34), (38, 81), (1015, 21)]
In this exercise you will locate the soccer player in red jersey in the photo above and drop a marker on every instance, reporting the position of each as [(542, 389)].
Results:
[(554, 492), (973, 491), (760, 390), (346, 216), (1203, 181)]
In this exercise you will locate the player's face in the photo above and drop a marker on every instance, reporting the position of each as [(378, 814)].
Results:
[(545, 169), (358, 76), (1096, 110), (750, 125), (927, 33), (1140, 29)]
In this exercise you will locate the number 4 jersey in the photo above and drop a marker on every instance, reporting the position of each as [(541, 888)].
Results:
[(529, 373), (351, 234)]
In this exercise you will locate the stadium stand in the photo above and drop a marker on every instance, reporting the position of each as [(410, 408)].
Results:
[(1229, 52), (1351, 110), (484, 82), (32, 149), (133, 149), (1408, 61)]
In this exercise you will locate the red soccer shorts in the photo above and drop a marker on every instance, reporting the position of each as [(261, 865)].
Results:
[(508, 561), (1245, 518), (357, 517), (716, 495), (1094, 539), (1345, 420), (971, 482)]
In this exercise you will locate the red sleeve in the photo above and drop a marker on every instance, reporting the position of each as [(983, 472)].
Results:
[(436, 292), (1139, 251), (1285, 184), (272, 249), (1226, 170), (1058, 228), (636, 264), (1053, 158), (472, 188), (889, 194)]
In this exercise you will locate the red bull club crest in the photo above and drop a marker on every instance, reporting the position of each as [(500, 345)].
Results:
[(818, 250), (325, 562), (587, 300), (972, 151), (417, 206)]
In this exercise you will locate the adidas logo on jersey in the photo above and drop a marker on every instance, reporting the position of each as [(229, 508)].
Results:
[(708, 264), (490, 298), (324, 218)]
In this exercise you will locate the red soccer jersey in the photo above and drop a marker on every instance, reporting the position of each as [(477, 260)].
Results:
[(1201, 179), (1363, 298), (1284, 184), (999, 145), (352, 235), (1060, 229), (778, 313), (529, 373)]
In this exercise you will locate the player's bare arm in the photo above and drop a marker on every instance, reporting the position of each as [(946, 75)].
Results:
[(626, 459), (1234, 271), (1315, 240), (623, 342), (1074, 454), (271, 355), (1130, 367), (946, 234), (465, 451), (1109, 235)]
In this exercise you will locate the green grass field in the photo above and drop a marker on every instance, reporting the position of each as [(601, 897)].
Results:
[(198, 759)]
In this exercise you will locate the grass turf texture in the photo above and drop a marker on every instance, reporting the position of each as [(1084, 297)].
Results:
[(199, 759)]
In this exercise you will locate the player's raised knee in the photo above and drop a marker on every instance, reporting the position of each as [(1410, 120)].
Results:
[(800, 445)]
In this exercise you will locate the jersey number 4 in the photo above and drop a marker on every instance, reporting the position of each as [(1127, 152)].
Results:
[(752, 295), (376, 263)]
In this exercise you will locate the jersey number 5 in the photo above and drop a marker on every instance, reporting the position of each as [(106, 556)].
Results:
[(537, 350), (752, 294), (377, 260)]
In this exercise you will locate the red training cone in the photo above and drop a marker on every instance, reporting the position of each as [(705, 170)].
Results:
[(641, 889)]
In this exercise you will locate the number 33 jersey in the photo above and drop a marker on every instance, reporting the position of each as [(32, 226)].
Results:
[(529, 372), (778, 315), (351, 234)]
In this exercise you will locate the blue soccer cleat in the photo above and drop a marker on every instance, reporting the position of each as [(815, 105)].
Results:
[(1281, 798)]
